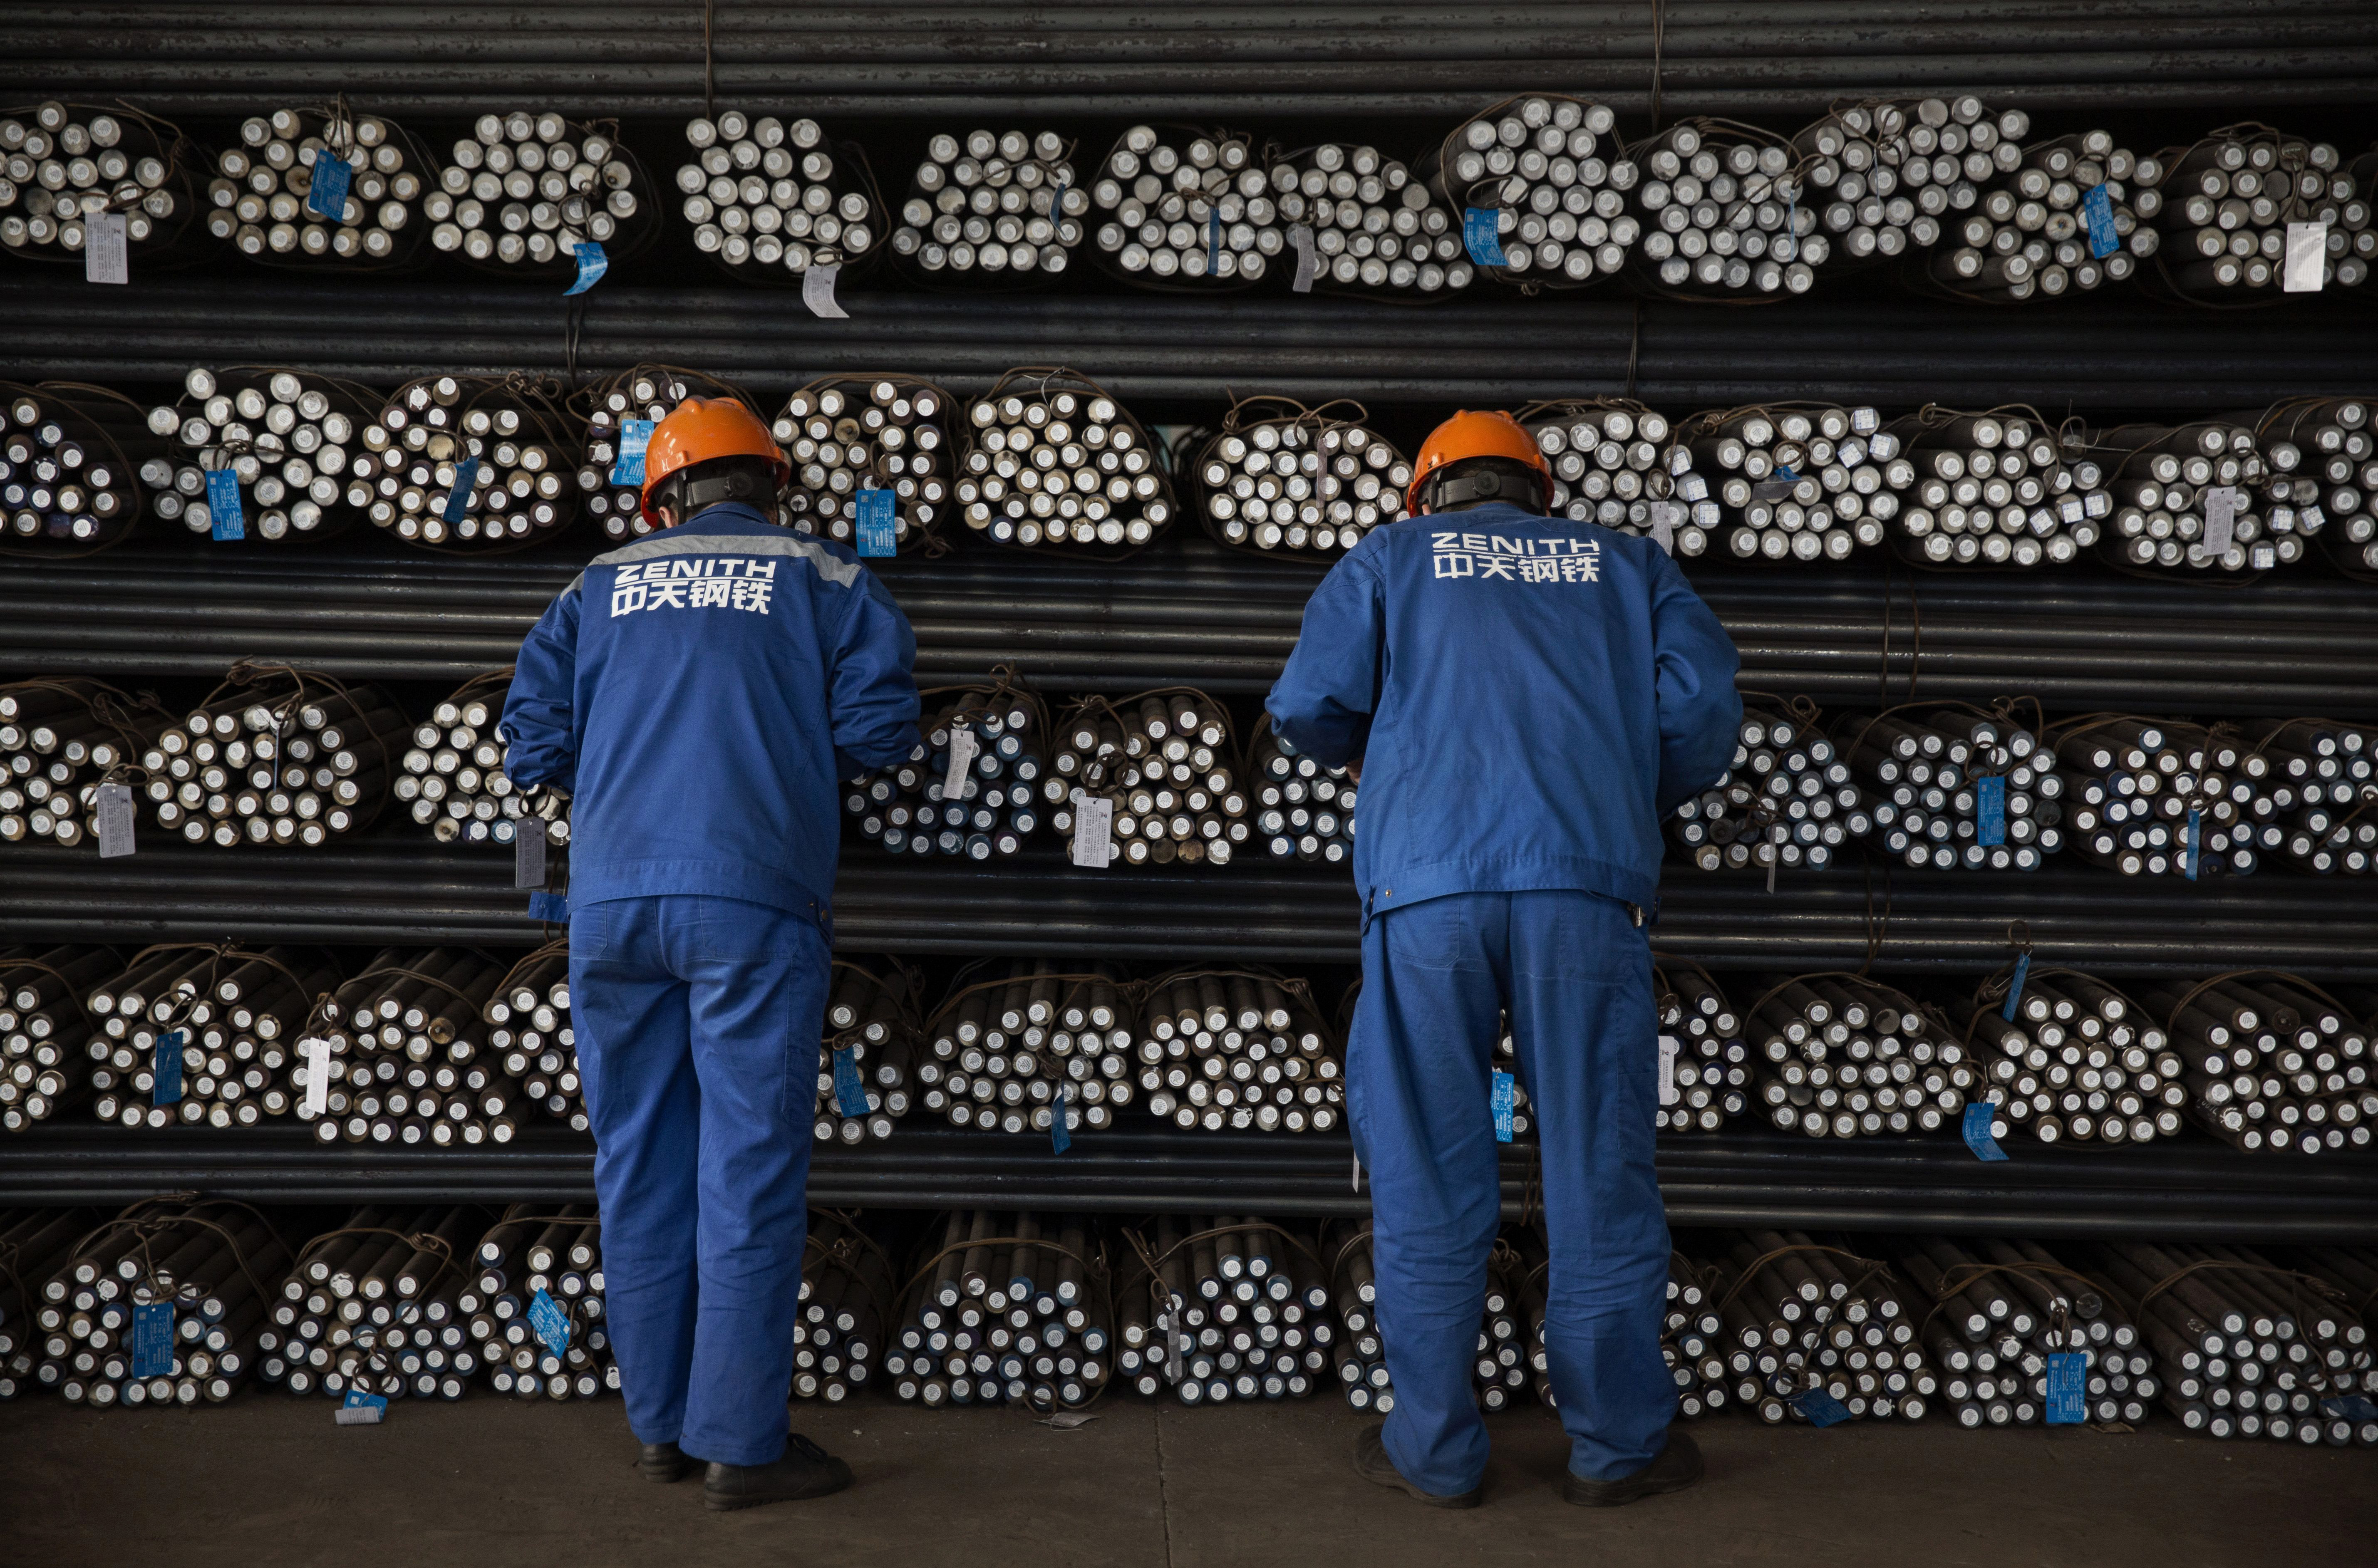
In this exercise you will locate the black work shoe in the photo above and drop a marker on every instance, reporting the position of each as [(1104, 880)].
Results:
[(806, 1470), (662, 1462), (1678, 1466), (1371, 1463)]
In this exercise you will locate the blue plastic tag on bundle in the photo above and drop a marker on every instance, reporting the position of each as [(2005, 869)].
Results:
[(223, 504), (360, 1409), (2098, 211), (2194, 856), (1990, 805), (457, 500), (166, 1070), (2068, 1388), (1978, 1138), (2350, 1407), (327, 196), (1821, 1408), (592, 265), (2014, 986), (550, 1322), (553, 909), (872, 512), (1213, 239), (153, 1340), (849, 1089), (628, 468), (1505, 1087), (1482, 234), (1061, 1137)]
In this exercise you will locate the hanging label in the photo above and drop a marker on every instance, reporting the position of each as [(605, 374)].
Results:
[(1358, 1170), (849, 1088), (165, 1069), (2220, 519), (528, 854), (2350, 1407), (223, 504), (316, 1051), (326, 195), (817, 291), (871, 514), (1093, 831), (457, 500), (553, 909), (1482, 234), (1213, 239), (1061, 1137), (962, 751), (1990, 806), (114, 814), (549, 1322), (1821, 1408), (592, 265), (152, 1339), (2193, 845), (2068, 1388), (1504, 1086), (360, 1409), (1665, 516), (2014, 986), (2307, 260), (2098, 211), (106, 257), (628, 468), (1669, 1047), (1301, 237), (1978, 1127)]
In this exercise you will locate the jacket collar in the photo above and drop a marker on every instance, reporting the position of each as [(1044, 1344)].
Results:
[(722, 516)]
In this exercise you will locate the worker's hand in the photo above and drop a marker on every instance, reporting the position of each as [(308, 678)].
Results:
[(1354, 770)]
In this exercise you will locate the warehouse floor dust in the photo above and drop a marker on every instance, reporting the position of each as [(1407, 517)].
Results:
[(268, 1481)]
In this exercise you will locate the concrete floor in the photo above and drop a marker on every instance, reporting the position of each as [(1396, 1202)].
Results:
[(266, 1481)]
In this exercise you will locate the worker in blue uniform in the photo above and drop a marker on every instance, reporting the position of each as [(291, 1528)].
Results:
[(698, 695), (1525, 698)]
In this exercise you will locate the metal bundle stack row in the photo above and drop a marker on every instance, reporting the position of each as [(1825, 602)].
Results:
[(2076, 214), (846, 436), (1839, 1056), (453, 781), (524, 189), (1239, 1049), (262, 197), (1373, 228), (1800, 1322), (67, 163), (292, 441), (530, 1031), (539, 1251), (2321, 455), (1166, 761), (69, 481), (2001, 1310), (1785, 801), (1182, 207), (41, 1003), (1051, 459), (2229, 202), (1954, 787), (996, 207), (1705, 1069), (620, 412), (1304, 482), (1552, 173), (1794, 483), (59, 740), (201, 1035), (1014, 1050), (1612, 462), (991, 742), (1721, 213), (40, 1242), (408, 1061), (2272, 1062), (2077, 1061), (1008, 1310), (1993, 489), (1303, 811), (1223, 1307), (346, 1310), (469, 460), (295, 769), (2174, 486), (1359, 1352), (871, 1024), (767, 198)]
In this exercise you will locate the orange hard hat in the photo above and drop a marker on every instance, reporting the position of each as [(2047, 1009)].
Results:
[(1473, 435), (701, 429)]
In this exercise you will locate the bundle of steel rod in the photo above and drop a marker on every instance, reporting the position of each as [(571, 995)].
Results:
[(522, 190), (874, 1025), (2070, 1057), (262, 199), (1692, 1335), (1007, 1308), (1840, 1056), (991, 207), (841, 1328), (41, 1004), (1549, 174), (1888, 175), (1222, 1307), (2158, 798), (533, 1305), (2273, 1061), (236, 1013), (1015, 1039), (1302, 810), (410, 1059), (992, 740), (35, 1244), (1052, 458), (2077, 212), (2184, 497), (769, 200), (1706, 1069), (2229, 203), (1186, 206), (1613, 463), (1301, 480), (1787, 800), (1360, 1355), (68, 484), (276, 756), (2249, 1347), (851, 436), (1722, 214), (2320, 459), (1166, 761), (453, 781), (204, 1268), (470, 462), (620, 413), (2001, 1310), (1237, 1049), (2354, 1270), (528, 1027), (59, 739), (290, 439), (1992, 489), (1807, 482), (1798, 1317), (2312, 783), (1374, 229), (64, 162), (1954, 785)]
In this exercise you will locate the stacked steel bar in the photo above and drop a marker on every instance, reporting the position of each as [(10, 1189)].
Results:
[(376, 1307), (453, 780), (770, 199), (529, 1027), (409, 1061), (1223, 1307), (59, 740), (2001, 1310), (474, 461), (1374, 229), (1613, 462), (37, 1242), (537, 1251), (65, 162), (1555, 180), (2319, 779), (1167, 761), (993, 739), (2044, 229), (2228, 204), (1239, 1049), (850, 434), (1707, 1075), (1306, 480), (1889, 174), (2075, 1060), (41, 1005), (2320, 455), (1007, 1310), (524, 190), (291, 437), (1802, 483), (1017, 1039), (1360, 1354), (2272, 1062), (2156, 798), (1799, 1319), (1992, 489), (2169, 482), (1185, 208), (1954, 787), (68, 481), (1722, 213), (309, 761), (996, 207), (238, 1014), (1787, 800), (261, 196), (1691, 1339), (872, 1016), (1842, 1057), (840, 1327), (1052, 458), (611, 481), (1302, 810)]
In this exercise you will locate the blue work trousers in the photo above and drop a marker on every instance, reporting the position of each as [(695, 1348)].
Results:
[(1574, 972), (698, 1023)]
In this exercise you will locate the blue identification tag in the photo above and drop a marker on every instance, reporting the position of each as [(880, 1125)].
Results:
[(166, 1070), (551, 1324), (2068, 1388), (1979, 1120), (628, 468), (2195, 848), (1061, 1137), (1504, 1086), (1990, 805), (1213, 239), (2014, 986), (457, 500), (849, 1089), (553, 909), (360, 1409), (592, 265), (2350, 1407), (2098, 211), (1821, 1408), (1482, 234), (153, 1340), (327, 196), (872, 514), (223, 504)]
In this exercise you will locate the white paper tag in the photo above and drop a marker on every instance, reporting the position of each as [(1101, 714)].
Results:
[(1666, 515), (1093, 831), (105, 258), (2307, 256), (962, 748), (817, 291), (316, 1050), (2220, 518), (1669, 1046), (1301, 236), (115, 821)]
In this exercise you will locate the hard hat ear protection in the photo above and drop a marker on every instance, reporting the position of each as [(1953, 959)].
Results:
[(1483, 484)]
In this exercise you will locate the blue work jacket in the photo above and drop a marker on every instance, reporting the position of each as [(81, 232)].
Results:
[(700, 693), (1528, 698)]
